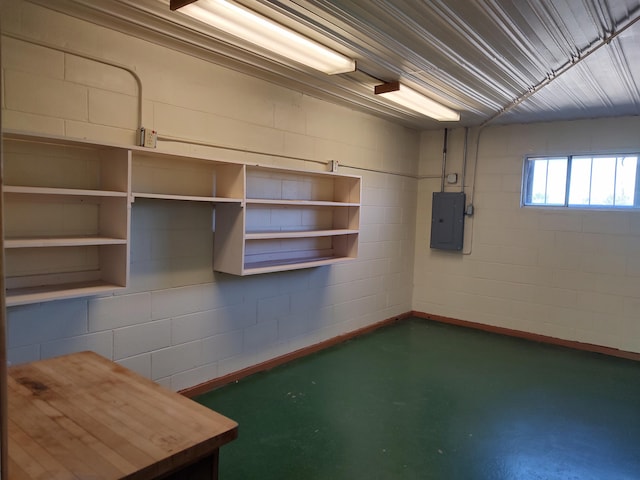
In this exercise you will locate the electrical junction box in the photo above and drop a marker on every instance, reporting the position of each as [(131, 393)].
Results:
[(147, 138), (447, 220)]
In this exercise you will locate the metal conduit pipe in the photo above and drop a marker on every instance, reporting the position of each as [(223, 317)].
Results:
[(473, 186), (464, 157), (87, 57), (168, 138), (444, 159)]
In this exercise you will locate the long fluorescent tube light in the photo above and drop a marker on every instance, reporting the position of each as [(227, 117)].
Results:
[(402, 95), (248, 25)]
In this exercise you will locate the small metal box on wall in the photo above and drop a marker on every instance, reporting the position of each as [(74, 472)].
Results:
[(447, 220)]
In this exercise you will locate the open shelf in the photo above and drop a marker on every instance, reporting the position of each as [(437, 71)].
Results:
[(256, 268), (13, 189), (44, 242), (186, 198), (172, 177), (47, 272), (298, 234), (300, 203), (44, 293)]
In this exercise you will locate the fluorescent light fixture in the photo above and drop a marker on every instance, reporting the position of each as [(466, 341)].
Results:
[(402, 95), (248, 25)]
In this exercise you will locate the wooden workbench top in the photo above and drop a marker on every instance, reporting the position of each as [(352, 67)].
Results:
[(82, 416)]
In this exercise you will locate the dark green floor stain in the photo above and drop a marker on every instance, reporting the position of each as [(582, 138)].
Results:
[(422, 400)]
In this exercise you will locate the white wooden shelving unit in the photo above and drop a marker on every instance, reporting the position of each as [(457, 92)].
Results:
[(68, 203), (66, 207), (292, 219)]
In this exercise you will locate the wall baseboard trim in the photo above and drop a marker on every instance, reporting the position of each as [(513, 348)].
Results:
[(588, 347), (274, 362)]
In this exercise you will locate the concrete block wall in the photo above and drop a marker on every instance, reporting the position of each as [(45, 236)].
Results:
[(180, 323), (566, 273)]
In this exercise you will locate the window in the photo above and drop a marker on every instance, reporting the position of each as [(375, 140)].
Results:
[(597, 181)]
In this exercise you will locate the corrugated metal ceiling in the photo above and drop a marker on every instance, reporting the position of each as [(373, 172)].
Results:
[(492, 60)]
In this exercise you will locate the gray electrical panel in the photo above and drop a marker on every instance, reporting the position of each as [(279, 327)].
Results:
[(447, 220)]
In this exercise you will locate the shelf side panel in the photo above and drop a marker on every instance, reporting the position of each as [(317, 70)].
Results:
[(228, 244)]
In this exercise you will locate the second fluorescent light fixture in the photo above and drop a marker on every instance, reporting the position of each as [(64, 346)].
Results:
[(398, 93), (248, 25)]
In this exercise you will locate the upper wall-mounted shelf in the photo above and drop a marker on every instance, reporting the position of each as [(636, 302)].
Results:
[(67, 213), (282, 185), (293, 219), (174, 177)]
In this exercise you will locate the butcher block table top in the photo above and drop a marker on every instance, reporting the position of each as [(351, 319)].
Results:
[(82, 416)]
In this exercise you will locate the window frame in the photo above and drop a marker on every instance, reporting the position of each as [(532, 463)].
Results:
[(527, 181)]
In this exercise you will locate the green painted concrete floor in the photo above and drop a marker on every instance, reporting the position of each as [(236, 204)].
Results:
[(422, 400)]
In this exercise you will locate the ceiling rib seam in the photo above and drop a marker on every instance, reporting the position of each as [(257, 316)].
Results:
[(622, 69), (631, 20)]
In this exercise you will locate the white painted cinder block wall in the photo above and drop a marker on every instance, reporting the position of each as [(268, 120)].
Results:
[(570, 274), (180, 323)]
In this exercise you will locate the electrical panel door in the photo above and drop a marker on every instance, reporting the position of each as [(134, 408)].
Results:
[(447, 220)]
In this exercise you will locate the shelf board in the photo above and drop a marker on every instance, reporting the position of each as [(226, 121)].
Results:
[(299, 203), (23, 296), (188, 198), (297, 234), (36, 242), (255, 268), (61, 191)]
